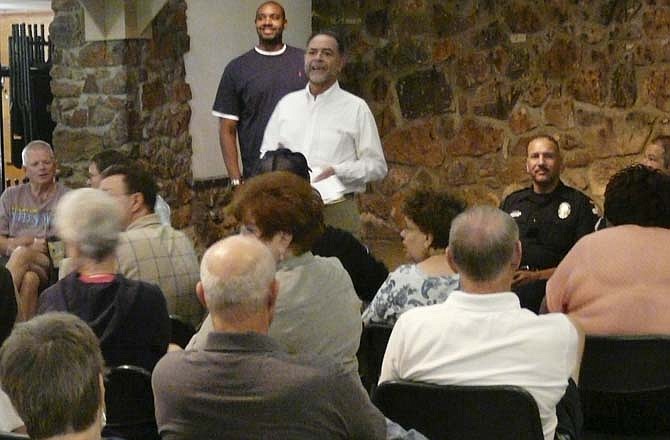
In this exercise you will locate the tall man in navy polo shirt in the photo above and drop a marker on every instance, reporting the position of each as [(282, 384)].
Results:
[(551, 216), (251, 86)]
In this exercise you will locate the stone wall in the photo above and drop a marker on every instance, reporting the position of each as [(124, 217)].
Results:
[(458, 87), (131, 95), (92, 99)]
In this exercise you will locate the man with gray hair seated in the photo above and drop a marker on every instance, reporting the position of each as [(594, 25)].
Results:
[(481, 336), (51, 368), (149, 250), (243, 384), (26, 213)]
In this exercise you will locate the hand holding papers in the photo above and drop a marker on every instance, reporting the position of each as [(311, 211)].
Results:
[(330, 188)]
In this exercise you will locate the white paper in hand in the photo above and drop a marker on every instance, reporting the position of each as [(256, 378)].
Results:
[(330, 188)]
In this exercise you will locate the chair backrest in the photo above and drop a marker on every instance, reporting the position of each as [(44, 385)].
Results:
[(501, 412), (181, 331), (374, 339), (12, 436), (624, 384), (129, 402)]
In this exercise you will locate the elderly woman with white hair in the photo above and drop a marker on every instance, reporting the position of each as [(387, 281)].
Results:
[(129, 317)]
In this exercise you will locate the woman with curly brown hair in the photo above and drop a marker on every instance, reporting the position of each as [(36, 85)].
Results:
[(429, 279)]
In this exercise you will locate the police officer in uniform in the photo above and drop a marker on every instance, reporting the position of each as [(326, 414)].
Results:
[(552, 217)]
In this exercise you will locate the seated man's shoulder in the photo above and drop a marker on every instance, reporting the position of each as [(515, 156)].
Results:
[(516, 196), (423, 318), (289, 369), (169, 232), (14, 193), (553, 327), (13, 190)]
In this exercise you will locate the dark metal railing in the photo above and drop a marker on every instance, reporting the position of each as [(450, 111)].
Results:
[(30, 59)]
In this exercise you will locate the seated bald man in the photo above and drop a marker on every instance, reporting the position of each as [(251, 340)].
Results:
[(481, 336), (243, 384)]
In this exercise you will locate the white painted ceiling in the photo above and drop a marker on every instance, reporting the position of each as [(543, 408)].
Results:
[(25, 5)]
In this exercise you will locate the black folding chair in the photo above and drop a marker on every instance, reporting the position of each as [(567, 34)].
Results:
[(374, 339), (501, 412), (624, 385), (182, 331), (129, 403), (12, 436)]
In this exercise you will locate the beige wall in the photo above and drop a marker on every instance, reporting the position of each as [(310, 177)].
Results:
[(220, 31), (7, 19)]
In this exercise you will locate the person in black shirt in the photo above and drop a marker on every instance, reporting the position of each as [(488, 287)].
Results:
[(551, 217), (251, 86)]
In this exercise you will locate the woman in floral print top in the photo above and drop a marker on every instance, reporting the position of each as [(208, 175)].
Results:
[(429, 279)]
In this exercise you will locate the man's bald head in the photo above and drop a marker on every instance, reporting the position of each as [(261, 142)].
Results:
[(483, 243), (237, 271)]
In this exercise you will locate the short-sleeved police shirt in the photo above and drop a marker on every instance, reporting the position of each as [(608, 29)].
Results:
[(550, 224)]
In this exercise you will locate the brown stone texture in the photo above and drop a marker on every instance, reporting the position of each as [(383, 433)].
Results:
[(66, 88), (600, 172), (657, 87), (559, 113), (561, 58), (522, 17), (75, 144), (444, 49), (592, 74), (415, 145), (396, 179), (457, 90), (590, 85), (656, 22), (522, 120), (494, 99), (475, 139), (624, 85), (423, 93)]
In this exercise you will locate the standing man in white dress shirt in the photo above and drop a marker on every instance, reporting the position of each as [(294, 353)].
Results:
[(334, 129)]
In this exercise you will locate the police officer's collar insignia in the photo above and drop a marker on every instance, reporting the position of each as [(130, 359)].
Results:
[(514, 214), (564, 210)]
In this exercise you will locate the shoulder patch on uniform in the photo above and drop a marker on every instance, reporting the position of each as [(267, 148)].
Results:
[(594, 208)]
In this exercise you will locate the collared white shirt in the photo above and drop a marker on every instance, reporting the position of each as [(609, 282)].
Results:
[(485, 339), (9, 419), (335, 128)]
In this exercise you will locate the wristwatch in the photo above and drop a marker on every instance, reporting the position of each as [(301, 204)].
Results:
[(235, 182)]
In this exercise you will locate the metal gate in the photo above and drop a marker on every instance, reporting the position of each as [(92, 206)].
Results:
[(30, 60)]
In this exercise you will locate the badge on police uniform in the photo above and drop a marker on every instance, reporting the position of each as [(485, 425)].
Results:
[(514, 214), (564, 210)]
